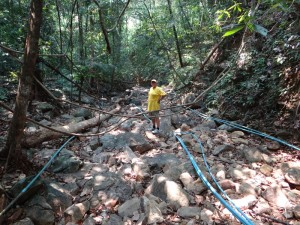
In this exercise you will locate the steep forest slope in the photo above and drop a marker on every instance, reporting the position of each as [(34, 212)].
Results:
[(261, 87)]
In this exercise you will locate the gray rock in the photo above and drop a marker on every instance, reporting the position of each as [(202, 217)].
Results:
[(293, 195), (293, 176), (245, 202), (206, 216), (57, 197), (166, 128), (266, 170), (89, 221), (110, 141), (227, 184), (71, 188), (127, 125), (67, 162), (275, 196), (57, 93), (87, 100), (20, 185), (152, 211), (44, 107), (178, 119), (241, 173), (210, 124), (252, 154), (189, 212), (39, 211), (94, 143), (141, 169), (169, 191), (112, 184), (196, 187), (221, 148), (102, 157), (25, 221), (45, 122), (296, 212), (129, 207), (262, 206), (226, 127), (273, 146), (76, 212), (115, 220), (246, 187), (82, 112), (162, 160), (237, 134)]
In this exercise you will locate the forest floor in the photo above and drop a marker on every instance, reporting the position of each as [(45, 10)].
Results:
[(130, 176)]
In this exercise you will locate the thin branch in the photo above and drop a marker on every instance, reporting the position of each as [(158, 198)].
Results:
[(273, 219), (119, 18), (14, 53)]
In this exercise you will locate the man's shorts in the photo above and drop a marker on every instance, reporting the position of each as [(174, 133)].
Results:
[(154, 114)]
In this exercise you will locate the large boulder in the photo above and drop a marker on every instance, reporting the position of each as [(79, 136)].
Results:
[(67, 162), (133, 140), (39, 211), (57, 196), (168, 190)]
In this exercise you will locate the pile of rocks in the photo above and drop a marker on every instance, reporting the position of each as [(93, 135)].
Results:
[(130, 176)]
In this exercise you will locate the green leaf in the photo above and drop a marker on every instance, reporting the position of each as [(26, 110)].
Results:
[(242, 18), (263, 31), (233, 30)]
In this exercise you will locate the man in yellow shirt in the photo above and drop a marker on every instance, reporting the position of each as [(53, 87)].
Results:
[(155, 95)]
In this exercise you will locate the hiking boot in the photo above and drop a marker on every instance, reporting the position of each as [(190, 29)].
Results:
[(155, 131)]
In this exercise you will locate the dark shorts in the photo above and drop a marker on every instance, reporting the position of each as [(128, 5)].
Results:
[(154, 114)]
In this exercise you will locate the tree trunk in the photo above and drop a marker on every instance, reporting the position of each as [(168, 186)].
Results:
[(12, 148), (42, 135), (175, 35), (81, 47)]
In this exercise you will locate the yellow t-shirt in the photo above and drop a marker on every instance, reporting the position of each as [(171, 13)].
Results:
[(153, 97)]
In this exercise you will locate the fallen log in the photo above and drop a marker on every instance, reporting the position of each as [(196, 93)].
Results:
[(41, 135)]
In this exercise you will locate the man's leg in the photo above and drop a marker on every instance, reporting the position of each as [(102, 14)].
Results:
[(157, 121)]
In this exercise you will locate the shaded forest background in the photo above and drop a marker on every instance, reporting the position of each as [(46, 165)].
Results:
[(250, 47)]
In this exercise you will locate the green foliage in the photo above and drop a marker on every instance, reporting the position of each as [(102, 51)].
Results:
[(239, 18), (3, 94)]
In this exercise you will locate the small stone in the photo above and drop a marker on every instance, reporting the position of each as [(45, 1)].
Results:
[(274, 145), (188, 212), (275, 196), (129, 207), (237, 134), (240, 141), (227, 184), (296, 211), (25, 221), (266, 170), (293, 176), (221, 148), (221, 175), (76, 212), (206, 216)]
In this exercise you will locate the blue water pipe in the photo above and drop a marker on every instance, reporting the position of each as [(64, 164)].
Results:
[(243, 219), (249, 130), (36, 177), (213, 177), (142, 111)]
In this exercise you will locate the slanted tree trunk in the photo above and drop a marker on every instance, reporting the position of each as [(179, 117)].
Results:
[(12, 149), (42, 135)]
